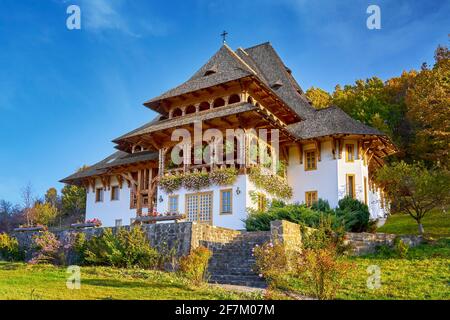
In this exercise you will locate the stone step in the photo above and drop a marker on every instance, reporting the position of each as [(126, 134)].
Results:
[(250, 281)]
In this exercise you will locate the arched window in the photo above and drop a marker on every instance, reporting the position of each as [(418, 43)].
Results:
[(204, 106), (219, 102), (250, 100), (190, 109), (234, 99), (177, 113)]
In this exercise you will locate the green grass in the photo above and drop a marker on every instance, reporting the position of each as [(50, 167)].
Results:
[(423, 274), (436, 224), (43, 282)]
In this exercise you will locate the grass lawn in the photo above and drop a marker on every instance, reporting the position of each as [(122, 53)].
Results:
[(436, 224), (423, 274), (22, 281)]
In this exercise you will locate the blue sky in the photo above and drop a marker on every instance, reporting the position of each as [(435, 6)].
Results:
[(64, 95)]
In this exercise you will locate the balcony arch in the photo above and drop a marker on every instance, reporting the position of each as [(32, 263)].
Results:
[(190, 109), (219, 102), (234, 98), (177, 113), (204, 106)]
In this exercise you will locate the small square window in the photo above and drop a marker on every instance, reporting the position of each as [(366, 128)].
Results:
[(115, 193), (310, 198), (118, 223), (173, 204), (99, 195)]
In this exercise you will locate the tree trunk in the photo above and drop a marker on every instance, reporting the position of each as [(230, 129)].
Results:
[(421, 230)]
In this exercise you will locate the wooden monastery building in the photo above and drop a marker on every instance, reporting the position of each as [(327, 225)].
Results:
[(319, 153)]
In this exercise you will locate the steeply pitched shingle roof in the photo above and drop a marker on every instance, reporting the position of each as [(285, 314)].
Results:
[(330, 121), (116, 159), (190, 118), (223, 67), (272, 70)]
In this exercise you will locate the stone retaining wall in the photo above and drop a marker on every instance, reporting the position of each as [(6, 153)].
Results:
[(211, 236), (361, 243), (183, 236), (364, 242)]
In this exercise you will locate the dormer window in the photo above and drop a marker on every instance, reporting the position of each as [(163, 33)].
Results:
[(277, 84), (210, 71), (137, 148)]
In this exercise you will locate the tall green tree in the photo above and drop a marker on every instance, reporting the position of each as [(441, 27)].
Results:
[(415, 189), (51, 197), (73, 200)]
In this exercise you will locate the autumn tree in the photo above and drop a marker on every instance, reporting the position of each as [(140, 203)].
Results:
[(428, 102), (415, 189), (43, 213), (318, 97)]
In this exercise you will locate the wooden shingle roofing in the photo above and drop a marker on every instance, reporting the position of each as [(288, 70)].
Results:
[(190, 118), (118, 158), (330, 121)]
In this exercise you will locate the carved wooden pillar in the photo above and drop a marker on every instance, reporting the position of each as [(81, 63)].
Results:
[(300, 152), (150, 191), (139, 194), (341, 146)]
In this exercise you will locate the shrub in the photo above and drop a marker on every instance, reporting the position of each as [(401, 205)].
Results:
[(126, 248), (322, 206), (194, 266), (296, 213), (401, 248), (320, 271), (354, 214), (271, 263), (46, 249), (9, 248), (325, 234)]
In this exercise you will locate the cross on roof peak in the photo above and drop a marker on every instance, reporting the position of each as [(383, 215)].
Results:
[(224, 36)]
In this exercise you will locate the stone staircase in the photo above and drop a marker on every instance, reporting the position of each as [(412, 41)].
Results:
[(232, 262)]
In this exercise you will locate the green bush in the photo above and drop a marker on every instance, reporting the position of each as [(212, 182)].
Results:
[(401, 248), (125, 249), (296, 213), (9, 248), (194, 266), (354, 214)]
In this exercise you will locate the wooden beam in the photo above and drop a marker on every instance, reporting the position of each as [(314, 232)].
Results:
[(300, 152), (318, 148)]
